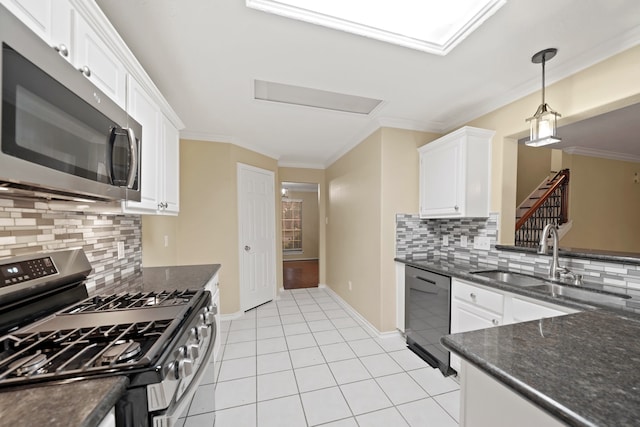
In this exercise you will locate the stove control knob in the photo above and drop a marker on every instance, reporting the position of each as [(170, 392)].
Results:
[(203, 331), (193, 351), (193, 334), (172, 371), (208, 317), (185, 367)]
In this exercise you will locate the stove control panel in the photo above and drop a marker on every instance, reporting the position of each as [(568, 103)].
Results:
[(23, 271)]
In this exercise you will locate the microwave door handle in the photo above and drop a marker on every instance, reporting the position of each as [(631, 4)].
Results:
[(133, 146), (112, 138)]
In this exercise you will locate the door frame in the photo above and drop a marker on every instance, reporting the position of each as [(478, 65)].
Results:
[(241, 279)]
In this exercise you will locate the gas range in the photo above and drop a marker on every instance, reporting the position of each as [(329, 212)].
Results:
[(161, 341)]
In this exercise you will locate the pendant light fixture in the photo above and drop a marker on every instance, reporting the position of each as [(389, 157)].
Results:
[(544, 122)]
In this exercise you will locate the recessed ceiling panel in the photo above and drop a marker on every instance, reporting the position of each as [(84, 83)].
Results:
[(433, 26), (308, 97)]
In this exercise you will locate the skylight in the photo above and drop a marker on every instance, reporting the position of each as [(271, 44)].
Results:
[(433, 26)]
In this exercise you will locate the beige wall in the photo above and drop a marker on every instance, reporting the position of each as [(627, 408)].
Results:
[(366, 188), (613, 82), (534, 165), (206, 230), (604, 203), (313, 176), (310, 225)]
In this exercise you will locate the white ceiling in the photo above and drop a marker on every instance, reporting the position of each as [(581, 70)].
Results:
[(205, 54)]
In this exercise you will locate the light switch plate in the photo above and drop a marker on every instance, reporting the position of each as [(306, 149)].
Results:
[(463, 241), (445, 240)]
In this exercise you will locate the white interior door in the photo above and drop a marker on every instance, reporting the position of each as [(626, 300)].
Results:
[(256, 218)]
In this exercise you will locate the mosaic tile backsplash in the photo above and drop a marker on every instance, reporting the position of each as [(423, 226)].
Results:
[(28, 226), (423, 238)]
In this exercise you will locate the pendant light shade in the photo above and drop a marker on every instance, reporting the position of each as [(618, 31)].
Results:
[(544, 123)]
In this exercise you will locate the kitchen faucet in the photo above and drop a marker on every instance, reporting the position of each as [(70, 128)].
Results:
[(555, 270)]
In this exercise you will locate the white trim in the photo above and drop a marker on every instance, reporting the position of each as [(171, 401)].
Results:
[(437, 47), (231, 316), (603, 154), (372, 329), (300, 259)]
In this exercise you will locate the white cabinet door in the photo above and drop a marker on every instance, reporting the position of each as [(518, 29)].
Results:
[(49, 19), (142, 108), (441, 174), (170, 168), (91, 55), (455, 178)]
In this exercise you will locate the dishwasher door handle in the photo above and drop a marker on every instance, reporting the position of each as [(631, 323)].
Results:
[(426, 280)]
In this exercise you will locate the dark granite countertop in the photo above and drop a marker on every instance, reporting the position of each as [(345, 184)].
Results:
[(582, 368), (79, 403), (163, 278)]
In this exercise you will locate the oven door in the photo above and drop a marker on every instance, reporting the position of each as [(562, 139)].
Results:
[(183, 379), (60, 134)]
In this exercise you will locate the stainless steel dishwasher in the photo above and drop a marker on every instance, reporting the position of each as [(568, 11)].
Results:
[(427, 315)]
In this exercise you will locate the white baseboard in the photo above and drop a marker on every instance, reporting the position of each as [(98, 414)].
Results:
[(353, 312), (231, 316)]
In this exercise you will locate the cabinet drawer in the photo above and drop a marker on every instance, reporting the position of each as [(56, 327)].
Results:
[(478, 296)]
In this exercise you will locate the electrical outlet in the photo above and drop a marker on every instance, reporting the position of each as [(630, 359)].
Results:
[(166, 241), (463, 241), (120, 250), (445, 240), (481, 242), (350, 285)]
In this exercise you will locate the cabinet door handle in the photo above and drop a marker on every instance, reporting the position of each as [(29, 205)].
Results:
[(85, 70), (473, 296), (62, 50), (247, 248), (456, 207), (495, 322)]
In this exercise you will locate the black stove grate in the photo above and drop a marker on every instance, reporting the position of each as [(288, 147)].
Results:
[(127, 301), (43, 355)]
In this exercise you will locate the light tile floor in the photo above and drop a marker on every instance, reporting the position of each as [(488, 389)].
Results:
[(304, 361)]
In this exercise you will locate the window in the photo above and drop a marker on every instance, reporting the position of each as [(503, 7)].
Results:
[(291, 225)]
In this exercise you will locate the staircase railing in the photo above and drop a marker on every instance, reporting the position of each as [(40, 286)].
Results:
[(553, 206)]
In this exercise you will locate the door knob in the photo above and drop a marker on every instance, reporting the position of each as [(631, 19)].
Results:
[(247, 248)]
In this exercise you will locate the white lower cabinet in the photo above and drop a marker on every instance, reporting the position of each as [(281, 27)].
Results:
[(109, 420), (484, 402), (476, 307)]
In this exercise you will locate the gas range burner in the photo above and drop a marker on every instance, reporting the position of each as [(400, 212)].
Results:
[(126, 301), (121, 352), (29, 364)]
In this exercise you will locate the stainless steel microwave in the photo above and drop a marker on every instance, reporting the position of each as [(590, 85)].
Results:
[(61, 137)]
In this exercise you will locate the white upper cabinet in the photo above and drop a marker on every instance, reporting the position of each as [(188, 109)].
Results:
[(65, 29), (142, 108), (93, 58), (455, 175), (160, 156), (170, 162), (52, 24)]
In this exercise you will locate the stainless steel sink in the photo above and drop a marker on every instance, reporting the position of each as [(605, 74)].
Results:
[(512, 278), (588, 292)]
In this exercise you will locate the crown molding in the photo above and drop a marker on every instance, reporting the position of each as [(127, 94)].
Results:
[(603, 154), (597, 54), (301, 165)]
